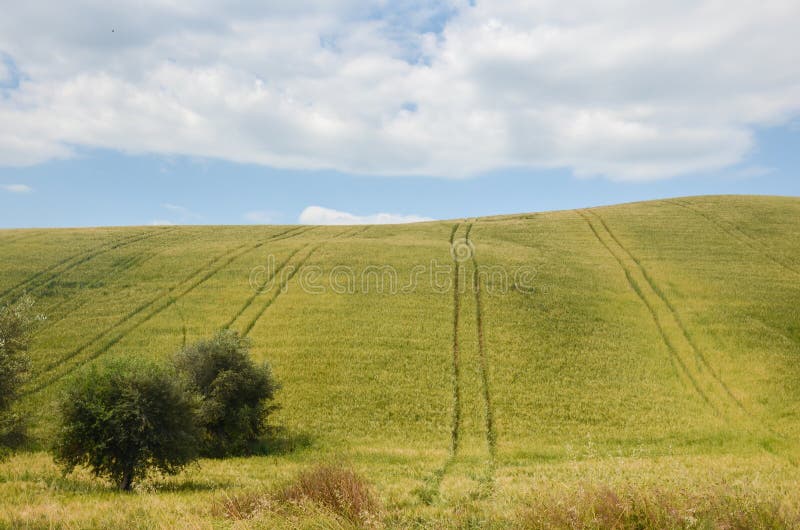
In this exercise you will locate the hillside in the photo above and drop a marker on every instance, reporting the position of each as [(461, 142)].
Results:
[(597, 345)]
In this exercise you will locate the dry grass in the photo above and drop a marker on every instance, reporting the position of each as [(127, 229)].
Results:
[(337, 488), (241, 506), (333, 488), (639, 508)]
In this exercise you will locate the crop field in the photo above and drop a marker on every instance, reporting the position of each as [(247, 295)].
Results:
[(609, 367)]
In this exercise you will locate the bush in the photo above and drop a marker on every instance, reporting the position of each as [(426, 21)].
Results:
[(338, 489), (234, 393), (334, 489), (124, 419), (16, 323)]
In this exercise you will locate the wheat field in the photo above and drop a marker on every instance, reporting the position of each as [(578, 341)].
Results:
[(608, 367)]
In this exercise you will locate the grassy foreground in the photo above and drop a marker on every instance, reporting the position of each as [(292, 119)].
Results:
[(630, 366)]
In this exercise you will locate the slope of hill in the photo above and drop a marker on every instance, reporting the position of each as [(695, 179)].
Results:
[(654, 343)]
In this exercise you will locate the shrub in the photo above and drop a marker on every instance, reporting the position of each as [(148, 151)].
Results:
[(124, 419), (16, 323), (234, 393), (335, 490), (338, 489)]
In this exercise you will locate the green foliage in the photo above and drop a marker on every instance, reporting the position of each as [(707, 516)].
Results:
[(16, 323), (234, 393), (123, 419)]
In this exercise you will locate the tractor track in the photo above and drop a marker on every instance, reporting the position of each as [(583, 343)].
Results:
[(261, 287), (491, 435), (483, 363), (456, 364), (31, 285), (284, 285), (637, 288), (725, 403), (156, 306), (18, 237), (42, 272), (432, 484), (735, 233), (757, 246), (699, 356), (280, 290), (125, 265), (128, 264)]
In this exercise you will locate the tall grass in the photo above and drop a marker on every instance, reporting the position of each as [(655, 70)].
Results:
[(635, 507), (336, 489)]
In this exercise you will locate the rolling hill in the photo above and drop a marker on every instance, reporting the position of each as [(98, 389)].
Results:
[(654, 343)]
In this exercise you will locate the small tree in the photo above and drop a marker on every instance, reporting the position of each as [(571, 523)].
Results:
[(234, 393), (16, 323), (124, 419)]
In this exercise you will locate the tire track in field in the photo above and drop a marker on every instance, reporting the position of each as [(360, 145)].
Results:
[(679, 342), (123, 244), (483, 364), (194, 280), (136, 260), (491, 435), (657, 315), (32, 278), (432, 485), (699, 356), (125, 265), (284, 285), (260, 289), (31, 284), (703, 360), (35, 275), (280, 290), (456, 426), (752, 243), (18, 237), (155, 306), (722, 398), (735, 233)]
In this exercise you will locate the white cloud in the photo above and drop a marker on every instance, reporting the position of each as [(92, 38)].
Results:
[(317, 215), (261, 217), (749, 172), (184, 212), (161, 222), (17, 188), (618, 88)]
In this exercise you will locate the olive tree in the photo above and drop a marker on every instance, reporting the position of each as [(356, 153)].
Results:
[(125, 418), (16, 323), (234, 393)]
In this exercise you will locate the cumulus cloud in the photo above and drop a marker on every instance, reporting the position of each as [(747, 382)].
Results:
[(317, 215), (161, 222), (619, 88), (260, 217), (17, 188), (186, 215)]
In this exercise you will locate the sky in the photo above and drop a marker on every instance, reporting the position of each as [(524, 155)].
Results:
[(342, 112)]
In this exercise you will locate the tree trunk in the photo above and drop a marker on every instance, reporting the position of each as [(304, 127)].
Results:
[(127, 480)]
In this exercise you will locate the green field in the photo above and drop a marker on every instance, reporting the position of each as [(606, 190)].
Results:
[(650, 349)]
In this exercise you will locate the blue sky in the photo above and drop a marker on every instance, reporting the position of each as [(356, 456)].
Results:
[(338, 112)]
